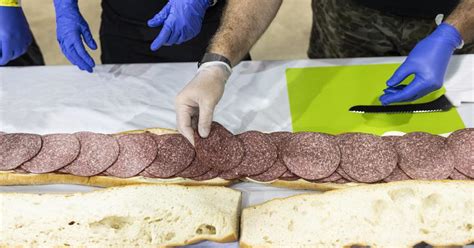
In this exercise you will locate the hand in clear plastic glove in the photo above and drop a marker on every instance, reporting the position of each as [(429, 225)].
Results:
[(428, 61), (181, 21), (15, 34), (72, 30), (200, 97)]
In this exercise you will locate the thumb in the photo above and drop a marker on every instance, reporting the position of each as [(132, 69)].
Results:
[(87, 35), (160, 18), (400, 74)]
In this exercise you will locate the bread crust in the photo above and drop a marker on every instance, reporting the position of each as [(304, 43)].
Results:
[(11, 178)]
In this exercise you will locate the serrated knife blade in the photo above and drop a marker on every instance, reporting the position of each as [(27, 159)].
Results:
[(439, 105)]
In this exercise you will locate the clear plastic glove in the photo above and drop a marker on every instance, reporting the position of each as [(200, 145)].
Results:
[(71, 30), (15, 34), (200, 97), (428, 61), (181, 21)]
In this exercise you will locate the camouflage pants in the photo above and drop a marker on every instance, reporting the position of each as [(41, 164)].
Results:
[(343, 28)]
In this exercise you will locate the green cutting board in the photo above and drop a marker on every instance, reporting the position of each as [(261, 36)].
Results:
[(320, 98)]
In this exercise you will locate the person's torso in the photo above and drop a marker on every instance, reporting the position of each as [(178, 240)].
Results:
[(412, 8), (140, 11), (134, 10)]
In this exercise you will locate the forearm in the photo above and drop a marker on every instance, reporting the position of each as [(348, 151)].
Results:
[(242, 24), (462, 18)]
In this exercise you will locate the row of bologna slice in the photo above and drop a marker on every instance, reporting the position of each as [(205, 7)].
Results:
[(315, 157)]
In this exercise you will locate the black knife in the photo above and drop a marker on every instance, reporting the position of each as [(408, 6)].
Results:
[(440, 104)]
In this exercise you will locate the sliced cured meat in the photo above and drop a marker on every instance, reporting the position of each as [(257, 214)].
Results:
[(344, 175), (456, 175), (58, 150), (144, 173), (424, 156), (98, 152), (365, 157), (391, 139), (260, 153), (231, 174), (275, 172), (289, 176), (342, 181), (211, 174), (397, 175), (17, 148), (278, 138), (175, 154), (20, 170), (220, 150), (137, 151), (194, 170), (278, 168), (332, 178), (217, 127), (461, 144), (311, 156)]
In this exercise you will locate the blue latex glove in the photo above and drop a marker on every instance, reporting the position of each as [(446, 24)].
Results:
[(15, 34), (71, 30), (428, 61), (181, 21)]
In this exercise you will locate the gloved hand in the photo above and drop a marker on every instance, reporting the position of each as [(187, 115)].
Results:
[(200, 97), (71, 28), (428, 61), (181, 21), (15, 34)]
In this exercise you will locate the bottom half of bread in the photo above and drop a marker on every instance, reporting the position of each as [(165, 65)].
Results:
[(131, 216), (398, 214)]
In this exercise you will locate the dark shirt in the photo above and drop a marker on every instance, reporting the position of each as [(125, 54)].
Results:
[(129, 17), (140, 11), (135, 10), (412, 8)]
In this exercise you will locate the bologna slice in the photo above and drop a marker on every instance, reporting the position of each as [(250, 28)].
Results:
[(58, 150), (220, 150), (311, 156), (424, 156), (260, 153), (461, 144), (98, 152), (17, 148), (137, 151), (175, 154), (365, 157)]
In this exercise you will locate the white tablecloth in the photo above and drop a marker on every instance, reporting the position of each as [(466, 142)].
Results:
[(115, 98)]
